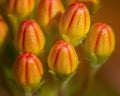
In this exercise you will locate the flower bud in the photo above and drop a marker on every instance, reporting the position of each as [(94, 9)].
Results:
[(88, 2), (62, 58), (100, 42), (30, 37), (28, 71), (20, 8), (75, 23), (48, 11), (3, 31)]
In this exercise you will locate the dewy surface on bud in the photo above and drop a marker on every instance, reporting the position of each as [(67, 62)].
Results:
[(75, 23), (30, 37), (48, 11), (100, 41), (20, 8), (62, 58), (3, 31), (28, 71)]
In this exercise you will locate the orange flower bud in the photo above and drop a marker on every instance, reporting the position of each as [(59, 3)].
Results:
[(49, 10), (30, 37), (28, 71), (20, 8), (100, 41), (75, 23), (62, 58), (3, 31)]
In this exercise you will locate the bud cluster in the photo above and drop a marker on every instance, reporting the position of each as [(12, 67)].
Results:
[(72, 28)]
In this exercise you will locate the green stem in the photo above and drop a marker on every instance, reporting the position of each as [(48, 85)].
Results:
[(88, 83), (92, 74), (62, 89), (63, 85)]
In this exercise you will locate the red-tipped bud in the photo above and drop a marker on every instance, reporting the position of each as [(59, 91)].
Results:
[(75, 23), (87, 2), (30, 37), (28, 71), (62, 58), (100, 41), (48, 11), (20, 8)]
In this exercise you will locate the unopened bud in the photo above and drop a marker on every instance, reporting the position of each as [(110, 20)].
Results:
[(75, 23), (28, 71), (100, 43), (30, 37), (20, 8), (62, 58), (49, 11)]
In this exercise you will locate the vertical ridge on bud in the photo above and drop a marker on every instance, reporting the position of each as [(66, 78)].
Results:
[(62, 58), (75, 22), (49, 10), (28, 35), (100, 40), (28, 71)]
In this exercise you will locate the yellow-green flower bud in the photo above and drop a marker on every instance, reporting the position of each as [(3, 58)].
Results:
[(30, 37), (3, 31), (28, 71), (100, 43), (62, 58), (49, 11), (75, 23), (20, 8)]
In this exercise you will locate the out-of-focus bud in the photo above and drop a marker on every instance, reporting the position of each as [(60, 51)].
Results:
[(100, 43), (20, 8), (30, 37), (28, 71), (49, 11), (62, 58), (3, 31), (75, 23)]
